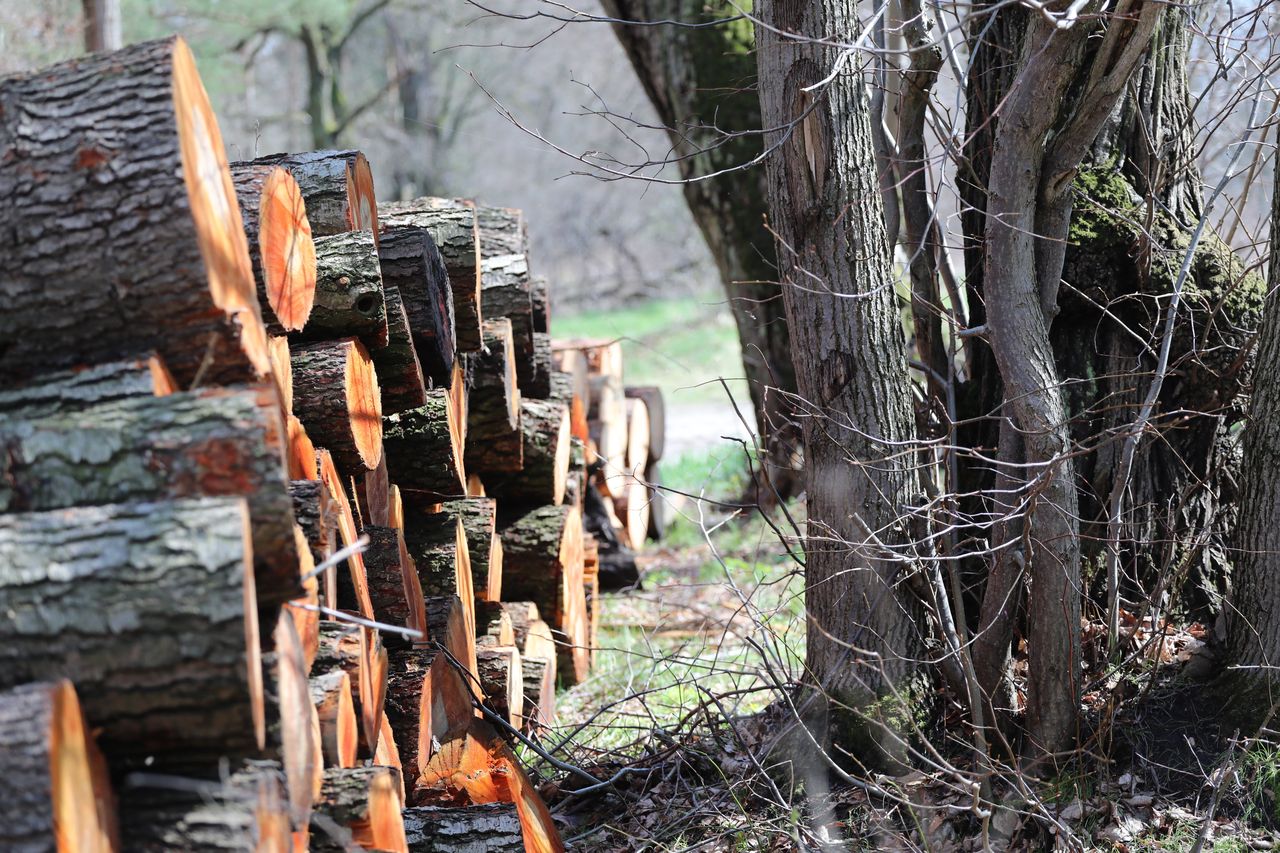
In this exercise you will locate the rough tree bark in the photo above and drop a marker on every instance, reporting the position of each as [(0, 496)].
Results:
[(700, 81), (863, 641)]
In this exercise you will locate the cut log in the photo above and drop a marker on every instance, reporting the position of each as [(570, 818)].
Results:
[(591, 591), (400, 376), (502, 231), (523, 615), (504, 287), (632, 507), (546, 543), (316, 514), (337, 187), (349, 299), (424, 447), (438, 544), (477, 768), (493, 421), (426, 701), (97, 595), (412, 263), (210, 442), (281, 250), (348, 535), (363, 801), (358, 651), (305, 610), (340, 731), (460, 394), (301, 456), (76, 390), (337, 400), (608, 428), (393, 579), (450, 624), (539, 675), (122, 232), (493, 625), (535, 380), (638, 431), (373, 495), (573, 361), (282, 370), (656, 420), (540, 295), (502, 680), (247, 812), (484, 548), (475, 488), (544, 426), (490, 827), (395, 508), (452, 226), (289, 713), (54, 793), (388, 755)]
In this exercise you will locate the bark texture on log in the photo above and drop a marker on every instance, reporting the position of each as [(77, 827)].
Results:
[(540, 295), (535, 379), (502, 680), (335, 705), (246, 812), (76, 390), (281, 250), (54, 794), (348, 535), (504, 286), (493, 418), (546, 544), (502, 231), (338, 401), (484, 548), (315, 513), (349, 300), (209, 442), (539, 676), (426, 701), (97, 594), (358, 651), (451, 625), (423, 447), (400, 376), (493, 625), (544, 427), (412, 263), (490, 827), (393, 579), (452, 225), (155, 257), (337, 187)]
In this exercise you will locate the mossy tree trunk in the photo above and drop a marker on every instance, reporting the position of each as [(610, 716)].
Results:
[(701, 81)]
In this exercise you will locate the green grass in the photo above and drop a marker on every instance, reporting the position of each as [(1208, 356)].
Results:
[(681, 345)]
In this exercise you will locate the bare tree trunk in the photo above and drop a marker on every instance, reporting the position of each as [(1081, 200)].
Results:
[(864, 639), (1253, 619), (103, 28), (700, 80)]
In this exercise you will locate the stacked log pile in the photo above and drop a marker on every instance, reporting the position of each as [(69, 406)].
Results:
[(292, 489)]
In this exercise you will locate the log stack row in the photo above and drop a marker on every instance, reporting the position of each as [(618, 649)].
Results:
[(622, 431), (291, 490)]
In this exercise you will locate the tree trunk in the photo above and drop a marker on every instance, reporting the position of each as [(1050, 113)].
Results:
[(102, 25), (54, 794), (156, 259), (700, 81), (1253, 619), (851, 370), (452, 225), (130, 577), (218, 442), (412, 263), (281, 250)]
